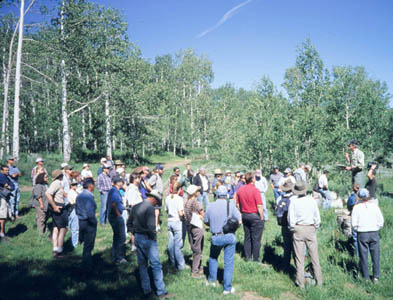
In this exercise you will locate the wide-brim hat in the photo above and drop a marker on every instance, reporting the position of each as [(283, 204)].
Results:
[(85, 165), (63, 165), (217, 172), (300, 188), (138, 170), (40, 159), (287, 186), (192, 189), (56, 174), (118, 162), (156, 196), (288, 170)]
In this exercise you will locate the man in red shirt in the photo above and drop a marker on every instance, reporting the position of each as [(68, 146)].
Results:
[(249, 202)]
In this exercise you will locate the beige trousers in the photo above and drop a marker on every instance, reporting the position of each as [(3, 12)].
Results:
[(306, 236), (41, 219)]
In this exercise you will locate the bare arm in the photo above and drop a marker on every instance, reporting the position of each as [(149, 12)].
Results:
[(260, 211), (52, 202)]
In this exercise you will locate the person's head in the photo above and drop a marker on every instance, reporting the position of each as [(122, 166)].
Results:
[(188, 167), (190, 173), (39, 161), (89, 184), (250, 178), (118, 163), (121, 172), (42, 178), (134, 179), (222, 192), (172, 179), (108, 157), (202, 171), (300, 188), (76, 175), (242, 177), (352, 145), (159, 169), (364, 194), (154, 198), (57, 175), (5, 169), (74, 184), (356, 187), (176, 187), (103, 161), (287, 172), (228, 173), (86, 166), (258, 173), (145, 171), (176, 171), (118, 182), (276, 170), (40, 170), (237, 174), (105, 169), (68, 171), (326, 173), (10, 160), (218, 173), (192, 191)]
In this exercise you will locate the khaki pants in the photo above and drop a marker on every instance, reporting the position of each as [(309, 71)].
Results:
[(41, 218), (306, 236)]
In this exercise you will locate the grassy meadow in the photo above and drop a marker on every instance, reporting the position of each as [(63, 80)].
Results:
[(28, 270)]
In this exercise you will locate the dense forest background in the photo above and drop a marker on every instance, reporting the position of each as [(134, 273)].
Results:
[(85, 90)]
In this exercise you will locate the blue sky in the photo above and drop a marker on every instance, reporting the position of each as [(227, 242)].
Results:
[(260, 37)]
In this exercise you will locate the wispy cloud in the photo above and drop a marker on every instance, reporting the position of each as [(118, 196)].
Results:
[(229, 14)]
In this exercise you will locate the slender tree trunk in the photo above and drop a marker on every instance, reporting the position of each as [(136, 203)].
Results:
[(15, 140), (6, 77), (84, 145), (205, 131), (64, 113), (108, 127), (175, 133)]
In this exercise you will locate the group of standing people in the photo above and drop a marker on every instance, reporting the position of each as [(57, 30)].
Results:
[(132, 204)]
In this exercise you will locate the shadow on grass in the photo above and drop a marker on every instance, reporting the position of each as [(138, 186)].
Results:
[(67, 279), (17, 230), (277, 261)]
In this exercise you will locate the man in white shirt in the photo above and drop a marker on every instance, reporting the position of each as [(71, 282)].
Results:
[(133, 197), (367, 220), (261, 185), (304, 220), (202, 181), (324, 190)]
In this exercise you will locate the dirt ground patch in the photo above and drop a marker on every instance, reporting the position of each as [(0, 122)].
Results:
[(253, 296), (26, 188), (289, 296)]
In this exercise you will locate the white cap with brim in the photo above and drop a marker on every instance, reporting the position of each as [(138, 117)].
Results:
[(192, 189), (40, 159)]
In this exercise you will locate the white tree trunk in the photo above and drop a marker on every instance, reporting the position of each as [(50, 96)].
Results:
[(108, 127), (15, 139), (64, 113), (206, 148)]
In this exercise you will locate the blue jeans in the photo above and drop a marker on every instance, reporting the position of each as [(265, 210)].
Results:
[(73, 224), (175, 244), (204, 199), (326, 198), (265, 211), (355, 241), (14, 200), (119, 237), (276, 193), (147, 250), (103, 214), (228, 242)]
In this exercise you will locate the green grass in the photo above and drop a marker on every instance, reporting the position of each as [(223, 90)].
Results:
[(29, 272)]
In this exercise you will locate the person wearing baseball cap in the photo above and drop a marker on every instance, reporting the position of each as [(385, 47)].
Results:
[(304, 220), (103, 162), (104, 184), (14, 174), (143, 225), (39, 165), (355, 161), (367, 220), (73, 222), (216, 217), (115, 217)]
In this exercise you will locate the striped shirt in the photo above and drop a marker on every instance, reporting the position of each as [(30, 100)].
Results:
[(104, 183)]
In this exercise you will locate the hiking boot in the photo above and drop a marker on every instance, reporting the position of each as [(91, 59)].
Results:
[(212, 284), (197, 276), (375, 280), (232, 291)]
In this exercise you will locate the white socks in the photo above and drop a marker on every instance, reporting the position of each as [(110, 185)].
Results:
[(58, 249)]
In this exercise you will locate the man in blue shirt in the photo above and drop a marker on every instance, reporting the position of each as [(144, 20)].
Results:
[(115, 211), (14, 173), (216, 217), (85, 209)]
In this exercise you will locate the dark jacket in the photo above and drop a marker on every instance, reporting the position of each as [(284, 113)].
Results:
[(198, 182)]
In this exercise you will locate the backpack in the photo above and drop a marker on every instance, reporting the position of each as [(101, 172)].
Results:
[(282, 211)]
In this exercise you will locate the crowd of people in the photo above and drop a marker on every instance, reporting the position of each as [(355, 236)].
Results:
[(132, 204)]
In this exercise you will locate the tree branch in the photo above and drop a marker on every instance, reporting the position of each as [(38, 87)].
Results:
[(39, 72), (84, 106)]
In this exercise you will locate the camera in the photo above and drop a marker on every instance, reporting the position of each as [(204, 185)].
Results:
[(372, 163)]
